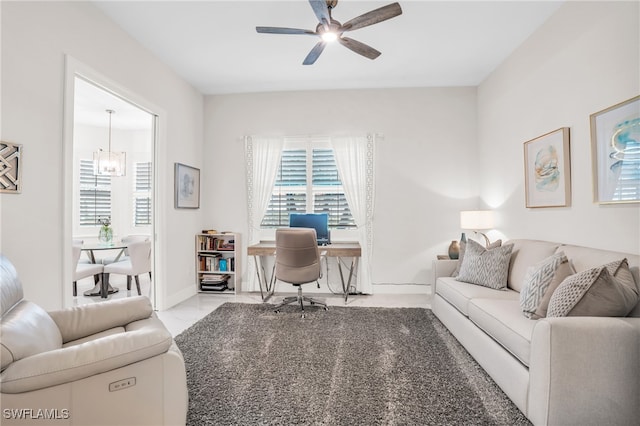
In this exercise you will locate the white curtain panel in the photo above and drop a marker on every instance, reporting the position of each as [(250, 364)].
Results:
[(355, 160), (262, 156)]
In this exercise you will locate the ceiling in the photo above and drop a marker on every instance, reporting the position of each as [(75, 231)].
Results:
[(214, 45)]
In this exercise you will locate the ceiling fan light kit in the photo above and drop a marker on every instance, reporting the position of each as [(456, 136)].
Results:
[(328, 29)]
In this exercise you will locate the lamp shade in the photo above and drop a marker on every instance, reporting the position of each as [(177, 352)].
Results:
[(476, 219), (109, 163)]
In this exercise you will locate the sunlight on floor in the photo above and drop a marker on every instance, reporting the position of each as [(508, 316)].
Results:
[(181, 316)]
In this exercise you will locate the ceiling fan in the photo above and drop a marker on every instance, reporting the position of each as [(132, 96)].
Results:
[(329, 29)]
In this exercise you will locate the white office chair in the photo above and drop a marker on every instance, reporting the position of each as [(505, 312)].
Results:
[(297, 262), (83, 270), (139, 262)]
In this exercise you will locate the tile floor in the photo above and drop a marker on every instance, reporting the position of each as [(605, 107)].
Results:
[(181, 316)]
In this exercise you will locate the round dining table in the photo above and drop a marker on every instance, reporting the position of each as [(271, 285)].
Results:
[(91, 248)]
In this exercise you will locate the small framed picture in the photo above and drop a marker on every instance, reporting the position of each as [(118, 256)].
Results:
[(547, 166), (187, 187), (615, 153), (10, 167)]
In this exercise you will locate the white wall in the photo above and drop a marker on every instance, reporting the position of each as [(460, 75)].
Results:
[(425, 164), (35, 38), (584, 59)]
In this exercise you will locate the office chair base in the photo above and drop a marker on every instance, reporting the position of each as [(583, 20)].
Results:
[(300, 299)]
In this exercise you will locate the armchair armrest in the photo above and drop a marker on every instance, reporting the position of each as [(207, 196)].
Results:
[(82, 321), (87, 359), (585, 370)]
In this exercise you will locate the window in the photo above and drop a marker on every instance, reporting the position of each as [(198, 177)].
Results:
[(142, 195), (628, 188), (95, 195), (308, 181)]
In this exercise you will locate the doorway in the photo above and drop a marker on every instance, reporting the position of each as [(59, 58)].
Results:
[(101, 118)]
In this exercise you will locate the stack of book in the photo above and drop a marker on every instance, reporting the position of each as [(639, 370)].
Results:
[(214, 282)]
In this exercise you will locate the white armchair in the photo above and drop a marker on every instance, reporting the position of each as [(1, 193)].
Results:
[(104, 363)]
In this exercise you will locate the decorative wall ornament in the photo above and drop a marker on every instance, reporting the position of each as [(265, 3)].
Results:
[(615, 153), (187, 187), (10, 167), (547, 166)]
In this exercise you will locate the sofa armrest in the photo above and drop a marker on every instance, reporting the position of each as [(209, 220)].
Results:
[(443, 268), (585, 370), (86, 359), (82, 321)]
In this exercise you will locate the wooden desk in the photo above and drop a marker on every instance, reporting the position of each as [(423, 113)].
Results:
[(338, 250)]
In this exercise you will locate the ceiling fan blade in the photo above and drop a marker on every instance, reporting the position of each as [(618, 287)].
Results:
[(373, 17), (278, 30), (359, 48), (321, 10), (315, 52)]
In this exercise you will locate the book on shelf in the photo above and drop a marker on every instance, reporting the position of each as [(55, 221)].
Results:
[(211, 243), (215, 262), (214, 282), (214, 279)]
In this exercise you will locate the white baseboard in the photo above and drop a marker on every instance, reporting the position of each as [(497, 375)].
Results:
[(401, 289), (176, 298)]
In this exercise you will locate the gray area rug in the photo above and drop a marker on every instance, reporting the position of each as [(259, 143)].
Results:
[(247, 365)]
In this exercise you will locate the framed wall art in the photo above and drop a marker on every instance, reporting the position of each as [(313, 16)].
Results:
[(10, 167), (615, 153), (187, 187), (547, 170)]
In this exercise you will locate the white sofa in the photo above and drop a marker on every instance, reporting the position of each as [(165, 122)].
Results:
[(558, 371)]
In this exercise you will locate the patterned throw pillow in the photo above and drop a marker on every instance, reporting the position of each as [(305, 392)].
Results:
[(488, 268), (603, 291), (564, 270), (463, 246), (537, 280)]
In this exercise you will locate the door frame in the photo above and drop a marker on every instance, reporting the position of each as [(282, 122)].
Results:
[(73, 69)]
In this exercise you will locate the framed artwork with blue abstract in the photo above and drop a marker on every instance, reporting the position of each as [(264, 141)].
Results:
[(615, 152), (547, 170)]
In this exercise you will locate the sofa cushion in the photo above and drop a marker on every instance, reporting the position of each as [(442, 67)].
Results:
[(596, 292), (524, 254), (503, 321), (488, 268), (538, 279), (459, 293)]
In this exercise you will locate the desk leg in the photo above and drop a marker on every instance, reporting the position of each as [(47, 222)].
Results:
[(255, 260), (262, 280), (347, 285)]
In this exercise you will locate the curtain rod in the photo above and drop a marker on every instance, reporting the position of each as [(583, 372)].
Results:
[(378, 136)]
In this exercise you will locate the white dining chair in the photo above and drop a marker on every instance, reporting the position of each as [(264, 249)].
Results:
[(124, 255), (138, 262), (83, 270)]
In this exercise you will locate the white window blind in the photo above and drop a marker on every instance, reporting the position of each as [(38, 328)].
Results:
[(95, 195), (142, 194), (308, 181), (628, 188)]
